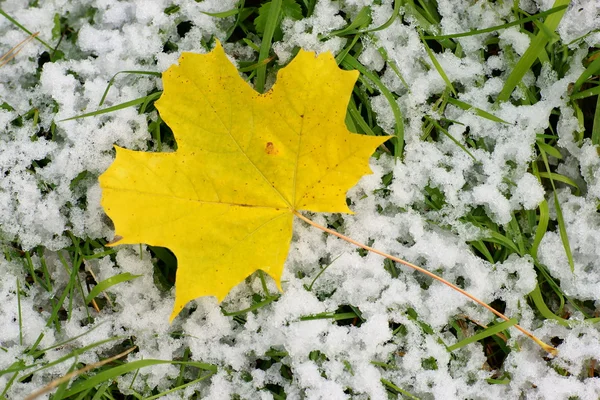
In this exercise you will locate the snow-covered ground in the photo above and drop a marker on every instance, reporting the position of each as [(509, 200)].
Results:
[(48, 187)]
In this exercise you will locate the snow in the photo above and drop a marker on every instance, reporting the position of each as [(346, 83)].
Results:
[(42, 204)]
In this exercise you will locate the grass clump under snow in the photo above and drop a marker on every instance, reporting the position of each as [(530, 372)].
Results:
[(492, 180)]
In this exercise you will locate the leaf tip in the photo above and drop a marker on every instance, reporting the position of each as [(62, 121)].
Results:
[(277, 280), (177, 307), (174, 314), (217, 44)]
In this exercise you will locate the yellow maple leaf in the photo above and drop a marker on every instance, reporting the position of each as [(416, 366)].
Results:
[(224, 202)]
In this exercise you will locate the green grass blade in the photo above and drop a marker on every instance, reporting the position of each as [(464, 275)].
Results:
[(504, 381), (563, 232), (579, 133), (445, 132), (426, 21), (117, 107), (253, 307), (516, 236), (540, 304), (393, 66), (559, 216), (147, 100), (40, 352), (346, 50), (350, 121), (481, 247), (429, 9), (60, 390), (362, 18), (180, 377), (384, 365), (241, 16), (100, 254), (265, 45), (596, 124), (329, 315), (309, 287), (310, 6), (18, 25), (536, 47), (595, 91), (395, 13), (222, 14), (179, 387), (437, 66), (74, 353), (105, 284), (63, 297), (112, 80), (580, 38), (254, 66), (16, 366), (30, 268), (561, 178), (492, 330), (19, 313), (350, 62), (358, 119), (541, 229), (550, 35), (114, 372), (8, 385), (263, 282), (153, 127), (398, 390), (99, 395), (554, 286), (48, 284), (499, 27), (422, 21), (498, 238), (553, 151), (482, 113)]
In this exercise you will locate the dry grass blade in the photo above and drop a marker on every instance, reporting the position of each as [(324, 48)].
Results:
[(12, 53), (543, 345), (88, 268), (484, 326), (73, 374)]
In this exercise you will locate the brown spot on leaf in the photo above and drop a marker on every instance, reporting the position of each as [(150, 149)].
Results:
[(270, 149)]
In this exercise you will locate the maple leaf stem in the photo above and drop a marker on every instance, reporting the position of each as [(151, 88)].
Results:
[(543, 345)]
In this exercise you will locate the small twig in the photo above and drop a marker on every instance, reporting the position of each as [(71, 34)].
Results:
[(543, 345), (88, 268), (73, 374), (12, 53), (95, 305)]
